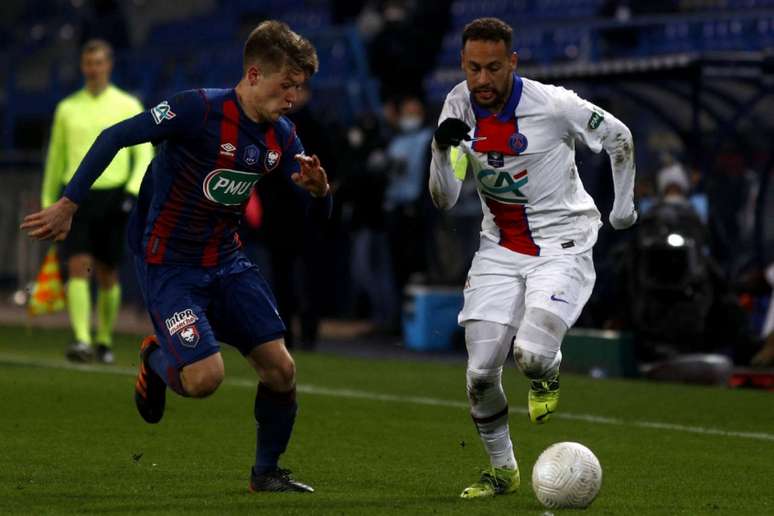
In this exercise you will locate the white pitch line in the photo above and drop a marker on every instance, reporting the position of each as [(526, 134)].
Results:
[(416, 400)]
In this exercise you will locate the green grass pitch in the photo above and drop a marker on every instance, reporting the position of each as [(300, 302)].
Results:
[(372, 436)]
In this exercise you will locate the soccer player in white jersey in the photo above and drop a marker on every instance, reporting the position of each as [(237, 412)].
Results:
[(533, 272)]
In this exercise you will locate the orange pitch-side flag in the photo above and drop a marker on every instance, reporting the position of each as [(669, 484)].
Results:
[(48, 292)]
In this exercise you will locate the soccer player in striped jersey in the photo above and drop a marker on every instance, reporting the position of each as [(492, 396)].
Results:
[(533, 272), (199, 288)]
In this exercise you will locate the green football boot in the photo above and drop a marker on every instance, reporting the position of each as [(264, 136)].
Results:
[(493, 481), (543, 399)]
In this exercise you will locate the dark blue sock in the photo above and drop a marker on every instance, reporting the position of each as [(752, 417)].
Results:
[(275, 413), (168, 372)]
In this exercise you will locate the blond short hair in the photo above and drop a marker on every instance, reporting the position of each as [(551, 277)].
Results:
[(273, 45)]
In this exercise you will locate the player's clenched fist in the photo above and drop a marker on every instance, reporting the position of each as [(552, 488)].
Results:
[(451, 132)]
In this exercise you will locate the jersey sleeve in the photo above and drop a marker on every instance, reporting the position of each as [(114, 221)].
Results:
[(55, 161), (598, 129), (142, 155), (179, 117), (288, 164)]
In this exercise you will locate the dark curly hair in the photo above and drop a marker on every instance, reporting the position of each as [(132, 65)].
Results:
[(488, 29)]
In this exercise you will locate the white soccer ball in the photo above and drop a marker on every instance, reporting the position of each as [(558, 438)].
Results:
[(566, 475)]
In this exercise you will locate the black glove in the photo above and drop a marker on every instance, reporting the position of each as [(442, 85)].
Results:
[(451, 132)]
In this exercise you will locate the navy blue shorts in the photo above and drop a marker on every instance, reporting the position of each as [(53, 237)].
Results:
[(194, 308)]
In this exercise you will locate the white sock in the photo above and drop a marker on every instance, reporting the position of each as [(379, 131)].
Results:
[(488, 344), (489, 410)]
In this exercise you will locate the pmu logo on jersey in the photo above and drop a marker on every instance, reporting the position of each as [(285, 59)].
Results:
[(162, 112), (502, 186), (180, 320), (229, 187), (189, 336), (272, 159)]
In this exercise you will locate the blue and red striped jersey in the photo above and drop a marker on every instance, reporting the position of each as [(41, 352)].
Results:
[(210, 157)]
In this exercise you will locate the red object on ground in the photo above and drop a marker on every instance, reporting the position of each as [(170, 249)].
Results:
[(752, 379)]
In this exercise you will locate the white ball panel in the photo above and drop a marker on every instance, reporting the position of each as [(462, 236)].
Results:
[(566, 475)]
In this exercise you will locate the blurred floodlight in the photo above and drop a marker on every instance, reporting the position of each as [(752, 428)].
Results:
[(675, 240)]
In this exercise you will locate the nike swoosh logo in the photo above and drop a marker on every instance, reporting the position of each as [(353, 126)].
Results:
[(554, 298), (541, 417)]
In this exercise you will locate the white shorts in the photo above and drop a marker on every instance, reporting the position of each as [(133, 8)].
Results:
[(502, 284)]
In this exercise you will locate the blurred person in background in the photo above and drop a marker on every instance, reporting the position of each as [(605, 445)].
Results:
[(667, 268), (396, 40), (199, 287), (674, 295), (677, 185), (296, 249), (406, 198), (95, 246), (361, 185), (533, 272)]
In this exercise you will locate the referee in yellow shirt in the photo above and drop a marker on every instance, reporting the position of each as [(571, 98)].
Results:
[(96, 241)]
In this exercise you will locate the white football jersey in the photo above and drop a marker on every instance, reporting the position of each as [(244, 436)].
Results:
[(523, 162)]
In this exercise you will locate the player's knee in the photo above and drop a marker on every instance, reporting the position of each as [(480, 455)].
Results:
[(537, 344), (281, 376), (287, 374), (483, 384), (534, 365), (203, 378), (80, 266), (202, 385), (106, 277)]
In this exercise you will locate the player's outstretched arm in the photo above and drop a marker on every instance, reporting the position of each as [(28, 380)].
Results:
[(155, 125), (599, 130), (619, 145), (181, 116), (52, 223)]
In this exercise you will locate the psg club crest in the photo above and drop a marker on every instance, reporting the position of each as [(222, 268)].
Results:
[(518, 143), (251, 155), (189, 336), (272, 159)]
